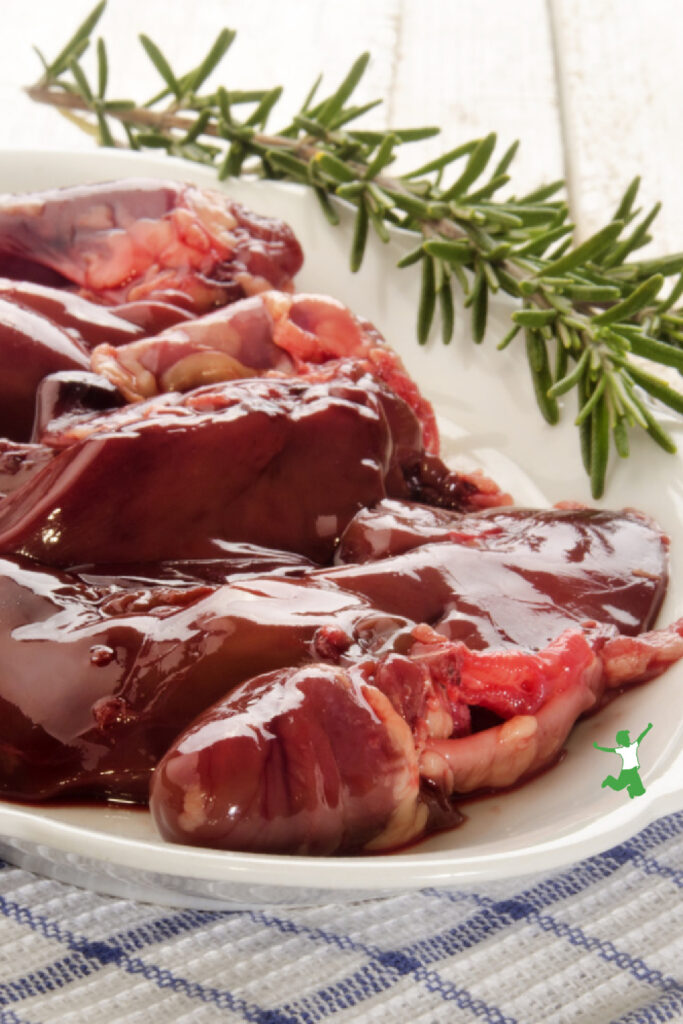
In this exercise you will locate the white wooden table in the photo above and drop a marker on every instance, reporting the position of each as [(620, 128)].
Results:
[(594, 91), (592, 88)]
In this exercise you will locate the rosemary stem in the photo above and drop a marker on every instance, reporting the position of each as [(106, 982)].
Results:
[(591, 299), (161, 119)]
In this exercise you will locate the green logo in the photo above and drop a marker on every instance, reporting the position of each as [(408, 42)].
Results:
[(628, 778)]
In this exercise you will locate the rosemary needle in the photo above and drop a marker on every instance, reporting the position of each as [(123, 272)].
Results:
[(600, 307)]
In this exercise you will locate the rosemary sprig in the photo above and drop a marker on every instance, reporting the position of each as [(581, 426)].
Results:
[(591, 303)]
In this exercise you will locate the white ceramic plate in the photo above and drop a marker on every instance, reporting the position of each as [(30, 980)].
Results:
[(489, 419)]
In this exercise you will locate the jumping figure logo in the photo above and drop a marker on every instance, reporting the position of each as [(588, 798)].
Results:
[(628, 752)]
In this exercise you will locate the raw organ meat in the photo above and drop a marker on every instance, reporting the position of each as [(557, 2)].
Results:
[(157, 252), (272, 332), (508, 577), (30, 348), (136, 653), (100, 674), (142, 240), (241, 450), (195, 631), (283, 765), (305, 761), (87, 323), (19, 462)]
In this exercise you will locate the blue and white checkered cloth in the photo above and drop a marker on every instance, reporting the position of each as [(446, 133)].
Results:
[(599, 942)]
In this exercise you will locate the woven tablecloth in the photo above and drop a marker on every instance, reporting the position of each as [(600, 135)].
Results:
[(598, 942), (593, 91)]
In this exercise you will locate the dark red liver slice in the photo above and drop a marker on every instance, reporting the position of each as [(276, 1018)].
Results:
[(98, 675), (30, 348), (508, 576), (270, 462)]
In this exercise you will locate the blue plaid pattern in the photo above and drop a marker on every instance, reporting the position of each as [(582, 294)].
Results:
[(599, 942)]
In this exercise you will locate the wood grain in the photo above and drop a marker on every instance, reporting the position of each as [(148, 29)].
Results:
[(622, 94), (274, 46), (592, 89), (474, 68)]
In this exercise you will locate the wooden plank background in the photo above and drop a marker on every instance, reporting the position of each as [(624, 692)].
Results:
[(591, 87)]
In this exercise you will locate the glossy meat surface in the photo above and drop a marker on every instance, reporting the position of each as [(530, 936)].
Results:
[(86, 322), (268, 462), (137, 652), (46, 330), (509, 576), (308, 761), (30, 348), (132, 662), (241, 450), (158, 253), (233, 564), (19, 462), (274, 768)]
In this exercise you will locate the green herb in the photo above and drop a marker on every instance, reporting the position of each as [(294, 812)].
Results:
[(596, 306)]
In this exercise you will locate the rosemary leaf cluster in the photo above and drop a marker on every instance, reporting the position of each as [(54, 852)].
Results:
[(585, 310)]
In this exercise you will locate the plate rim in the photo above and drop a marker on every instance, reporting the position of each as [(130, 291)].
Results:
[(374, 872)]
